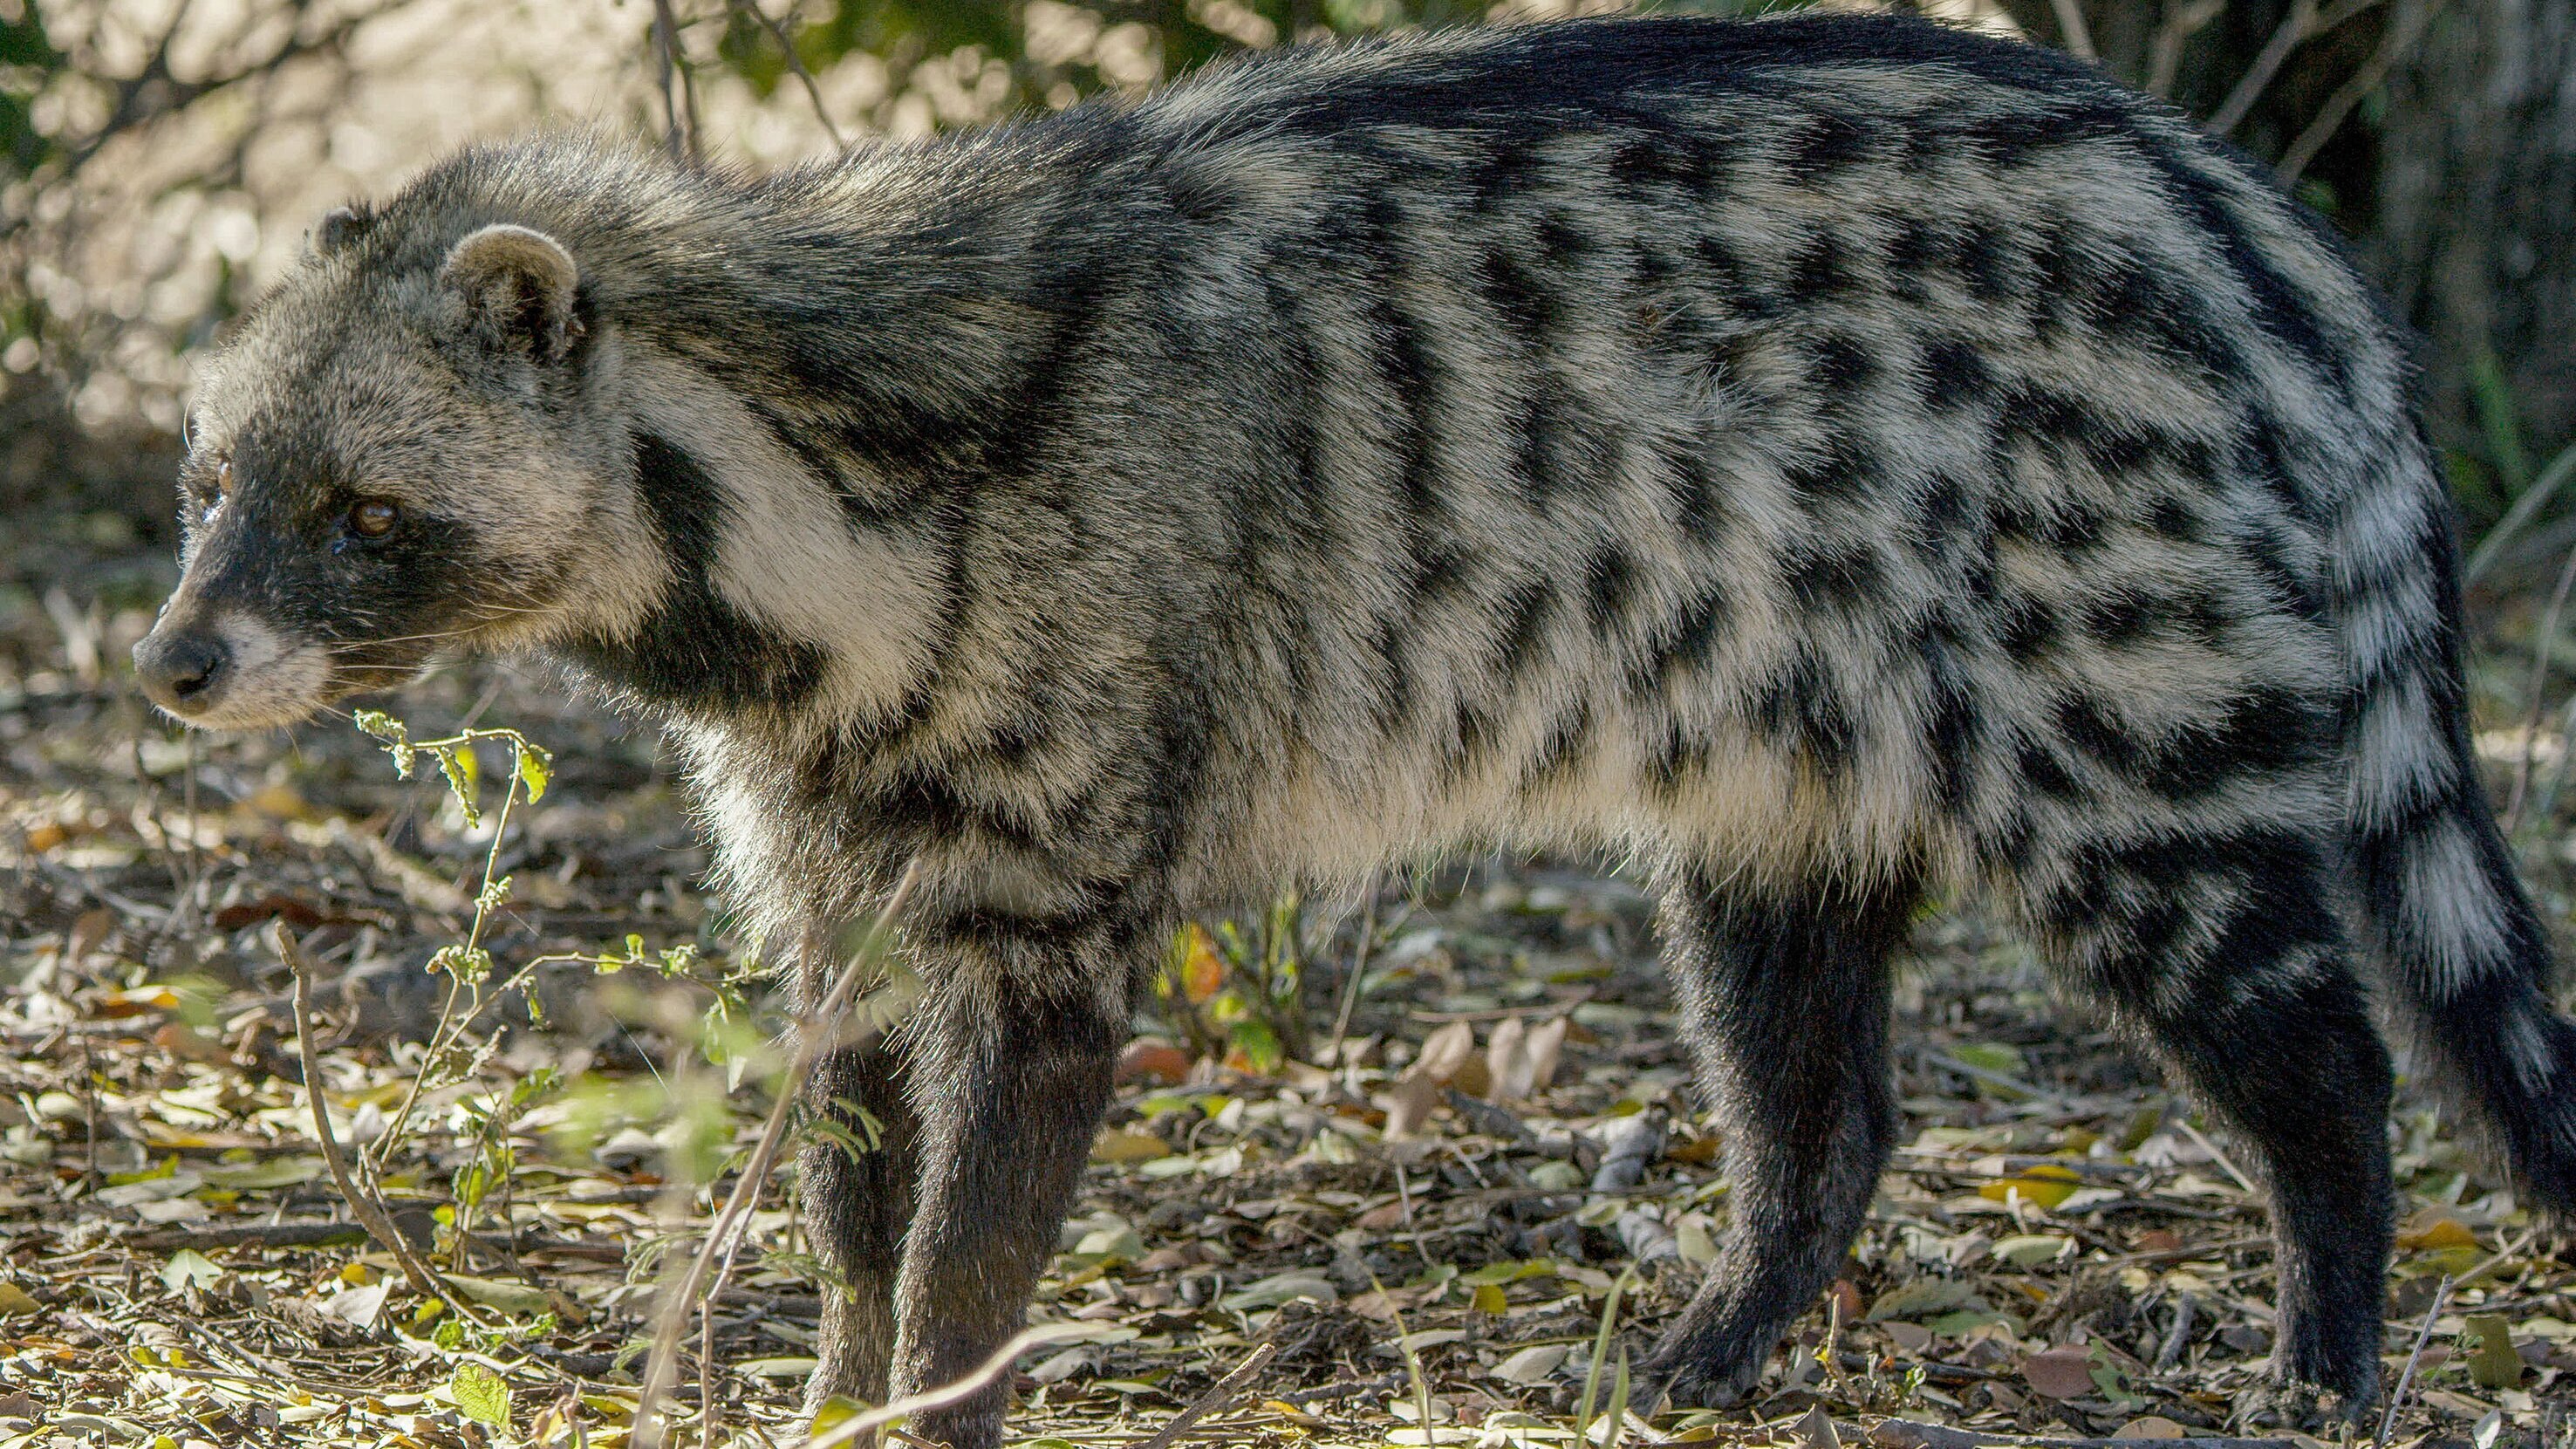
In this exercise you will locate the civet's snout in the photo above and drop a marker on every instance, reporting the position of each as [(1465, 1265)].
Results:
[(183, 665)]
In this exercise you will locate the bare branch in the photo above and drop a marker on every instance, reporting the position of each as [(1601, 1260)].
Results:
[(2072, 30), (379, 1224), (2409, 26), (796, 63), (2296, 26), (676, 130), (2181, 23)]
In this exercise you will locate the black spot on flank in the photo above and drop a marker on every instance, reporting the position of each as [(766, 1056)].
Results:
[(1528, 307), (2025, 626), (1474, 734), (1567, 741), (1200, 193), (2075, 527), (1735, 284), (1821, 272), (1696, 499), (1609, 583), (2278, 307), (1847, 579), (1828, 143), (1687, 640), (2262, 733), (1798, 708), (1952, 737), (1674, 757), (2142, 302), (1987, 256), (1524, 635), (1841, 471), (1843, 365), (2089, 727), (2172, 518), (2043, 772), (2263, 455), (2299, 595), (2122, 617), (1954, 374), (930, 799), (1646, 162), (1394, 675), (2206, 616), (1943, 510), (695, 652), (1509, 159), (1560, 241), (1920, 245)]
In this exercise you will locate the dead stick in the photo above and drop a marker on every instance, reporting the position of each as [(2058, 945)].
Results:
[(2406, 1380), (1908, 1434), (379, 1224), (671, 1314), (1220, 1394), (928, 1400)]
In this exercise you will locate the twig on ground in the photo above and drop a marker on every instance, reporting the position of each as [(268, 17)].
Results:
[(2508, 1253), (813, 1032), (2217, 1154), (2178, 1337), (424, 1280), (2406, 1380), (1218, 1396), (1910, 1434), (947, 1394)]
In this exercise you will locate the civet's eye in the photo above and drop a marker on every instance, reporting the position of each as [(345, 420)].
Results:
[(373, 518), (224, 479)]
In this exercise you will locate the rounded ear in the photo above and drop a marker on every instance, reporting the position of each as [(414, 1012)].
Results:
[(518, 285), (343, 225)]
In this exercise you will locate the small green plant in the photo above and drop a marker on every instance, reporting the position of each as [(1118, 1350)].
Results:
[(1238, 992), (726, 1035)]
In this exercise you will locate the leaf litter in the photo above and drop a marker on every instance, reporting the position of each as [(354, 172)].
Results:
[(1463, 1222)]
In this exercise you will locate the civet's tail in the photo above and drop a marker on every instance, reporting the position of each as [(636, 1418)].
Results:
[(2470, 967)]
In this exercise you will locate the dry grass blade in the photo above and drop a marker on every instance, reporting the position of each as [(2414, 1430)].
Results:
[(671, 1312), (1600, 1354), (379, 1224)]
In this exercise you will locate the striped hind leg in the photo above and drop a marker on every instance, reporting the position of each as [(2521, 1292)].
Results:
[(1784, 1001), (2223, 955)]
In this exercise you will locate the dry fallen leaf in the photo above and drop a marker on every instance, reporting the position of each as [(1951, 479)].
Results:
[(2059, 1373)]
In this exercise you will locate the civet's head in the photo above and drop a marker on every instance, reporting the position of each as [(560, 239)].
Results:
[(390, 458)]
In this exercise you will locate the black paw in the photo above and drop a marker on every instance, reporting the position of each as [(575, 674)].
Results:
[(1688, 1381), (2304, 1407)]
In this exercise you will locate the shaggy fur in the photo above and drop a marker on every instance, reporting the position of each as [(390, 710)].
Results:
[(1832, 459)]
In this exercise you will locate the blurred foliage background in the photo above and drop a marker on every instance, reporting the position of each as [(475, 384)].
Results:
[(160, 159)]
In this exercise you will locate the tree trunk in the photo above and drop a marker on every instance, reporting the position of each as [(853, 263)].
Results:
[(2477, 202)]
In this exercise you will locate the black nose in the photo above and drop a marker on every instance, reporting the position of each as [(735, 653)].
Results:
[(178, 669)]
